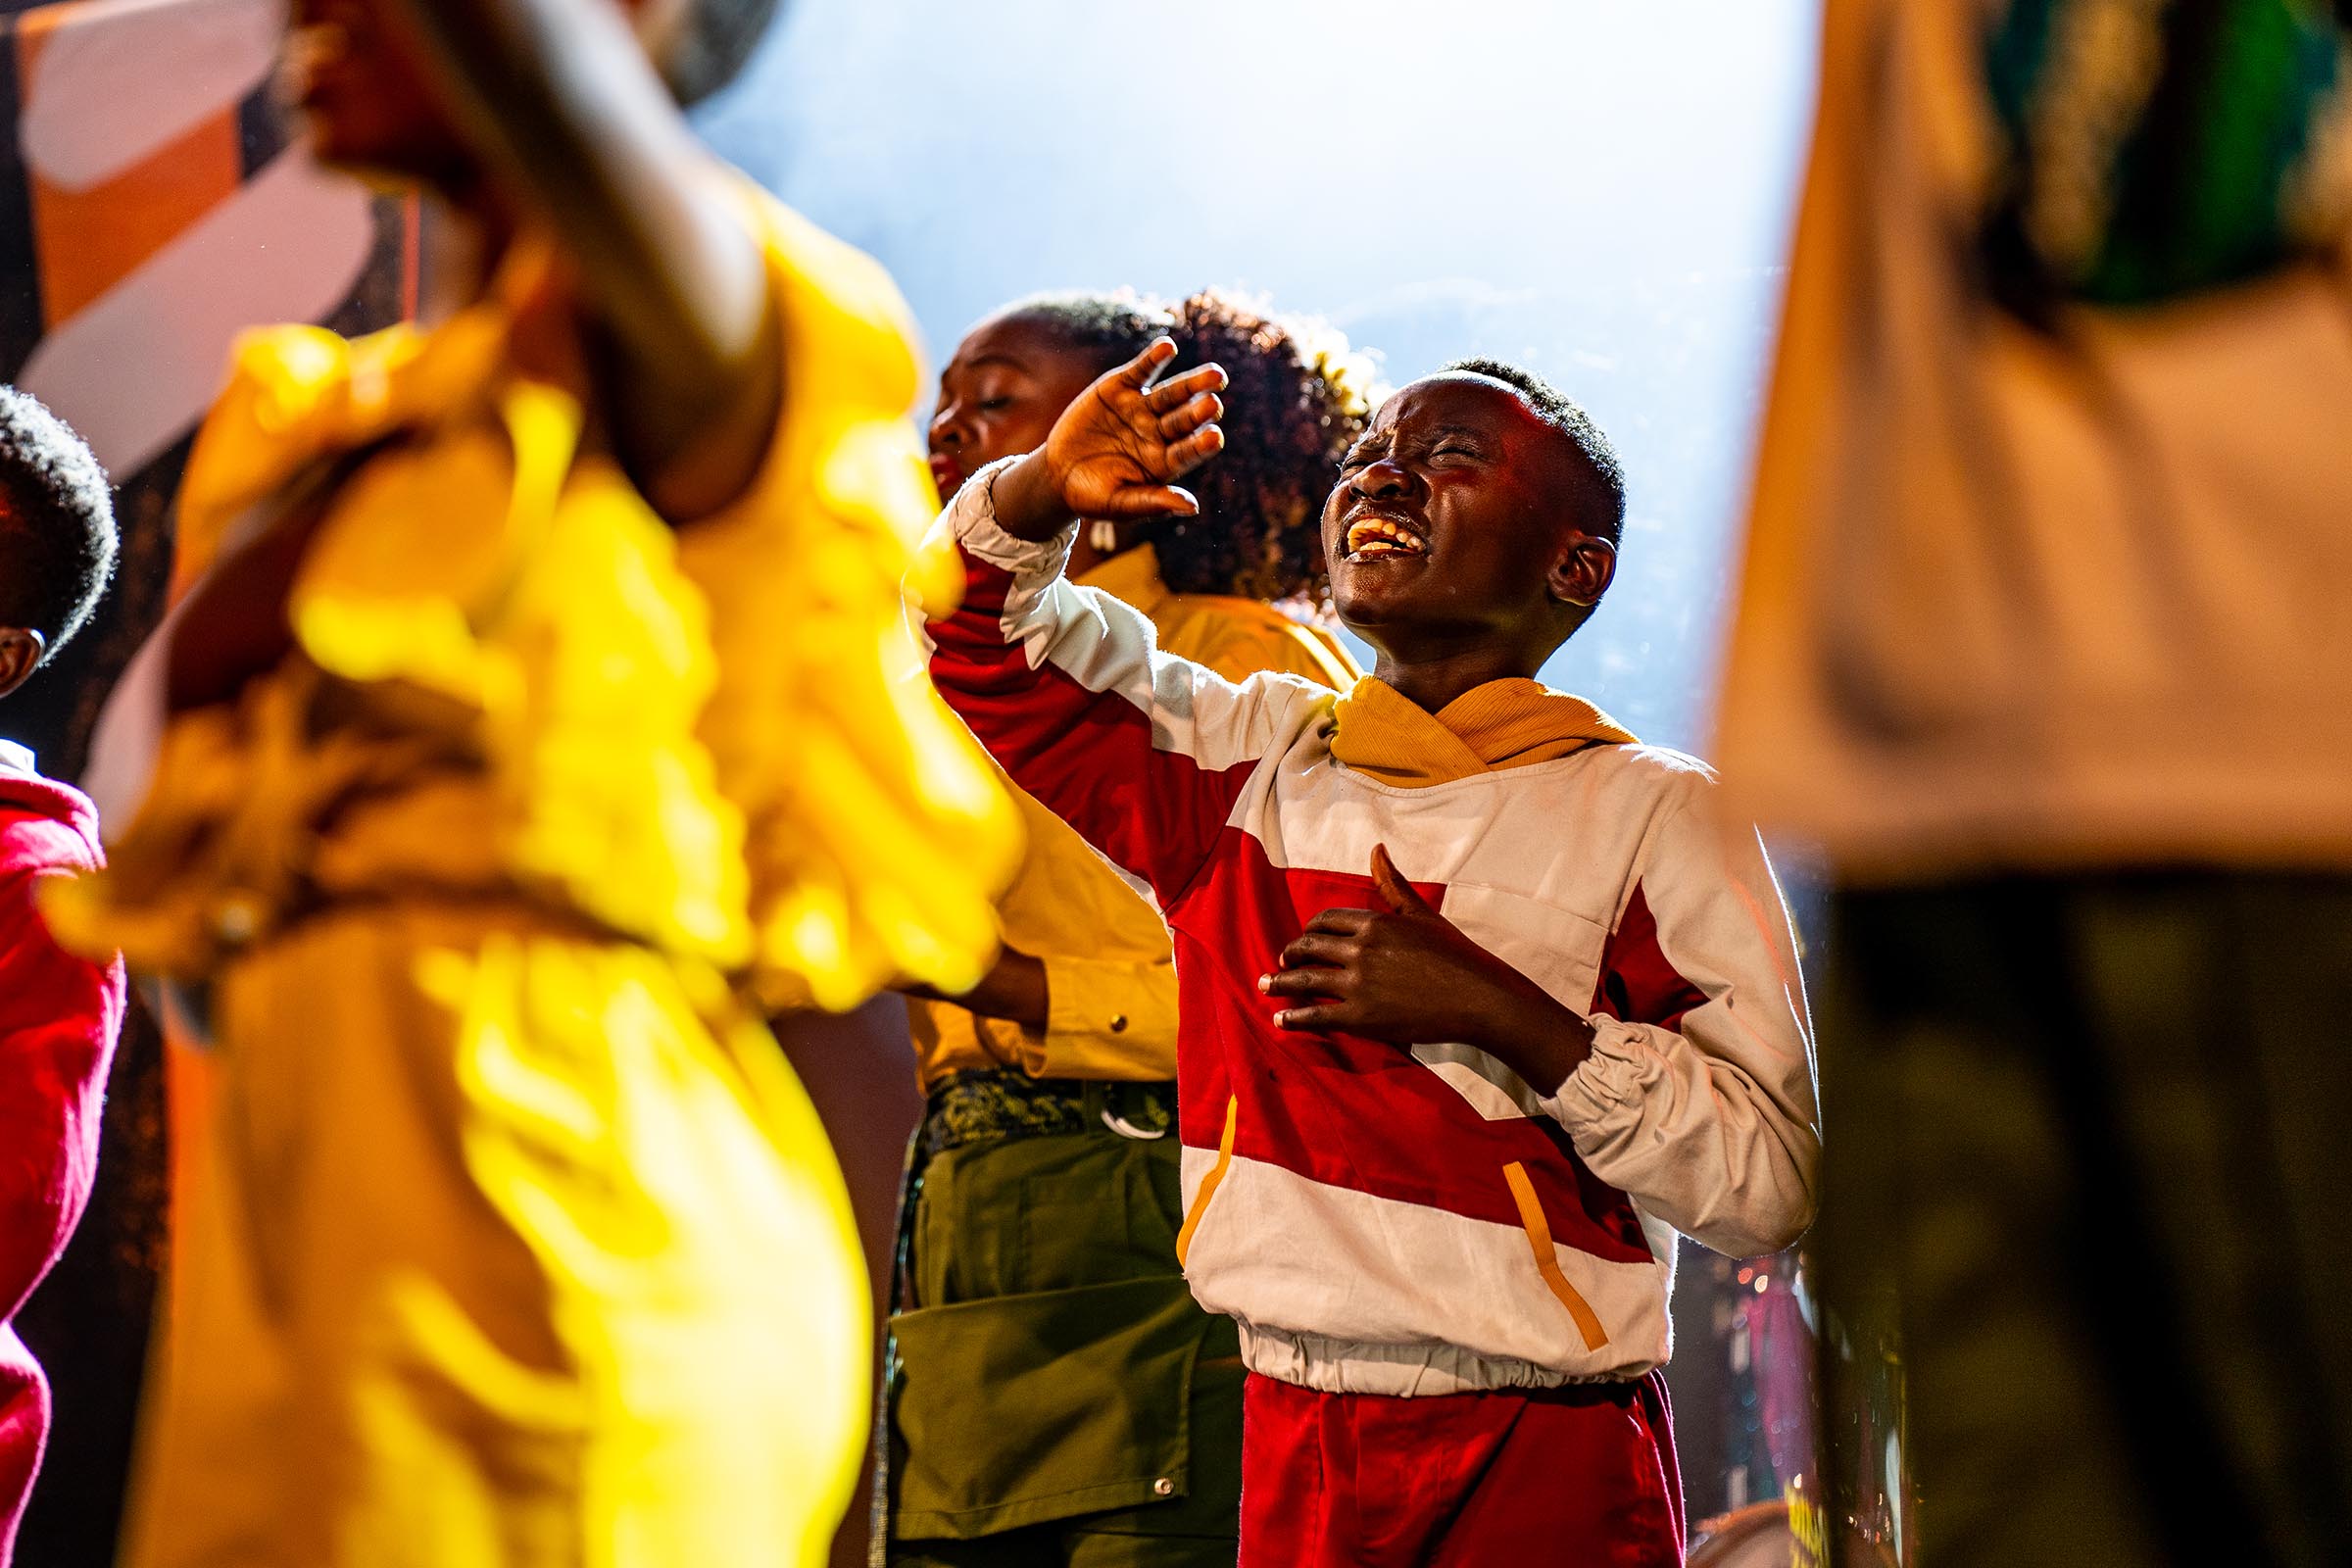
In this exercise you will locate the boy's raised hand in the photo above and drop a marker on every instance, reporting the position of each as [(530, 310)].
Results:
[(1409, 976), (1117, 450)]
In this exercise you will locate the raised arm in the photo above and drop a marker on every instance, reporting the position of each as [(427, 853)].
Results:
[(1117, 452), (1143, 754), (560, 102)]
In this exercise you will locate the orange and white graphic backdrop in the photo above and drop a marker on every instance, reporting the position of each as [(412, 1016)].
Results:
[(155, 202)]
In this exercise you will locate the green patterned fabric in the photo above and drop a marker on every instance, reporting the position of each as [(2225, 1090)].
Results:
[(2158, 148), (972, 1107)]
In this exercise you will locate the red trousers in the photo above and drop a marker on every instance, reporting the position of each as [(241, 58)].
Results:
[(1575, 1476)]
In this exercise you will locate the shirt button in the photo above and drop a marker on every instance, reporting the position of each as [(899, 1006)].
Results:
[(1163, 1487), (1119, 1023)]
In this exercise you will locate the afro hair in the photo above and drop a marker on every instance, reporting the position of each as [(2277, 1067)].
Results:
[(1568, 416), (57, 522), (1295, 400)]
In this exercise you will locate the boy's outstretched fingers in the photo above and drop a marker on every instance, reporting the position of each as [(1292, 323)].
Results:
[(1139, 371), (1148, 501), (1178, 390), (1115, 451), (1399, 894), (1186, 406), (1195, 448), (1190, 416)]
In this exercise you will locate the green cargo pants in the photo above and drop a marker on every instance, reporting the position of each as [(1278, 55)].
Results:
[(1055, 1396), (2090, 1139)]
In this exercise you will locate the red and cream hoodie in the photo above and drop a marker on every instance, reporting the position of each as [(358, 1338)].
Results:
[(59, 1017), (1417, 1222)]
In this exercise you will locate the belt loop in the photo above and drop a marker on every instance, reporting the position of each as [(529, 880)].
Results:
[(1139, 1111), (1098, 1108)]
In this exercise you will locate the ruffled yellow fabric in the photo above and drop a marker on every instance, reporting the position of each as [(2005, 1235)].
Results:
[(511, 1249), (515, 1241), (874, 831), (718, 740)]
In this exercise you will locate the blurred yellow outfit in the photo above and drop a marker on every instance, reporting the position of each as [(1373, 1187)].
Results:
[(520, 1242), (1110, 981)]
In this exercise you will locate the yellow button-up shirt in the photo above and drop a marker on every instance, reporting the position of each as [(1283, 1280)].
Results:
[(1110, 982)]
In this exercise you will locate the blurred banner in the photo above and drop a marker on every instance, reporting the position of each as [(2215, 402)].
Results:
[(153, 204)]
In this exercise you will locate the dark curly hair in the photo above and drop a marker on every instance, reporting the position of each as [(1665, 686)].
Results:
[(1605, 496), (57, 522), (1295, 402)]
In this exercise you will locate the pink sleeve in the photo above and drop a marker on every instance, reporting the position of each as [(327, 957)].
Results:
[(59, 1017)]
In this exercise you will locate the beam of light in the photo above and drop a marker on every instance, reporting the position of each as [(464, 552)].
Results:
[(1597, 189)]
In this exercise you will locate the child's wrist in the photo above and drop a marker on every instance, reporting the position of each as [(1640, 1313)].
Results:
[(1538, 1039), (1026, 501)]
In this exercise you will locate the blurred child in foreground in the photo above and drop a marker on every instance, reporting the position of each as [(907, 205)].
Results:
[(59, 1012), (532, 708), (1056, 1389), (2047, 642)]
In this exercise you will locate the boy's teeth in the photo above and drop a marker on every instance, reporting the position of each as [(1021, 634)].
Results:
[(1377, 536)]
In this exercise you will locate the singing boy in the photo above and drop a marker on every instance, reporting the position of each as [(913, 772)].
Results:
[(1480, 1005)]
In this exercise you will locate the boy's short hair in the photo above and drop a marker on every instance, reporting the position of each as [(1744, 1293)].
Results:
[(57, 522), (1568, 416), (714, 39)]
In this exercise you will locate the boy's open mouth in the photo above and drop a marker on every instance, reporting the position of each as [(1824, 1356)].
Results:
[(1376, 538)]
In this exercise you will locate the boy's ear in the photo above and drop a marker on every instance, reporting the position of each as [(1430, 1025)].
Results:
[(1582, 571), (21, 650)]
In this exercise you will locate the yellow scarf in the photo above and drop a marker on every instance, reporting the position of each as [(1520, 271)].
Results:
[(1505, 724)]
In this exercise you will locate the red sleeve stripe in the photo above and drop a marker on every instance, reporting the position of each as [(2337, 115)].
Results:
[(1638, 983)]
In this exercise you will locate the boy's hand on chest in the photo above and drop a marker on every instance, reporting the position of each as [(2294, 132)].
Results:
[(1408, 975)]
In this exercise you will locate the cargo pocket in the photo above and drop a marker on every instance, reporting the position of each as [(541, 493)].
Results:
[(1026, 1410), (1096, 1221), (1547, 1263)]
